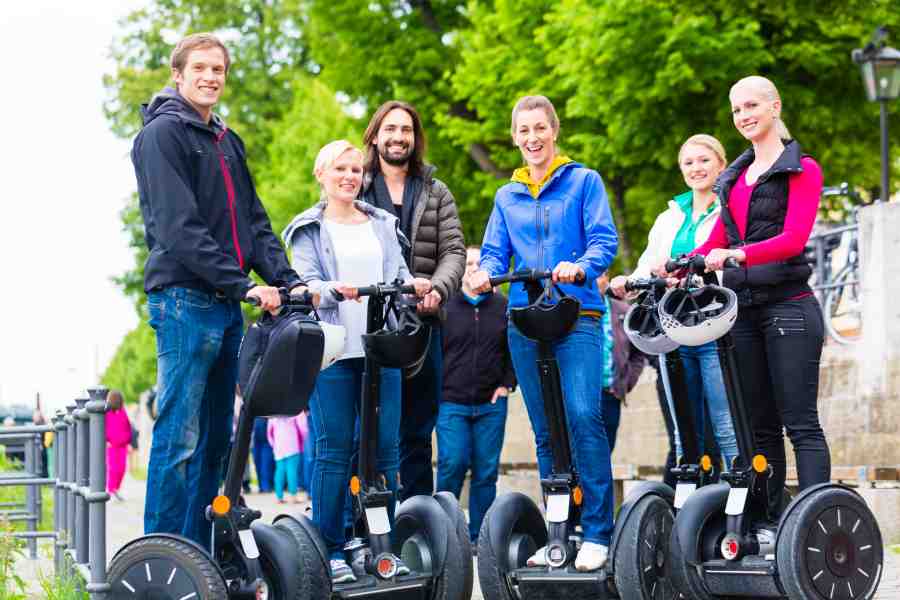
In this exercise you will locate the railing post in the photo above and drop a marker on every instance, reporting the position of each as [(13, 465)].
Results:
[(97, 498), (72, 436), (82, 524), (30, 494), (59, 492)]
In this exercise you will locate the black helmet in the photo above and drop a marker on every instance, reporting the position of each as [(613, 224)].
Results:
[(401, 347), (545, 320)]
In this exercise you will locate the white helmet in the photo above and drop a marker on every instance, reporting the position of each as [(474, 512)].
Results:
[(693, 317), (335, 338), (644, 330)]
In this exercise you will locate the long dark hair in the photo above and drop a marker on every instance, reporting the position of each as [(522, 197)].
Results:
[(416, 160)]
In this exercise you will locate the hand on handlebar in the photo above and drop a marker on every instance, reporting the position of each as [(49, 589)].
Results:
[(617, 286), (480, 282), (715, 260), (567, 272), (347, 291), (269, 297), (423, 286), (301, 290)]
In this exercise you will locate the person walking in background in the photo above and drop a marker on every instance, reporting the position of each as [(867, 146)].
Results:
[(263, 457), (286, 440), (397, 180), (478, 377), (307, 450), (118, 441)]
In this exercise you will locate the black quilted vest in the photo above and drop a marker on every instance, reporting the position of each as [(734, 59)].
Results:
[(776, 281)]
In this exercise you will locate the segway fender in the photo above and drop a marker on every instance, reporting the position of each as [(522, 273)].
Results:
[(420, 513), (179, 538), (692, 516), (645, 488), (800, 498), (514, 511), (311, 530)]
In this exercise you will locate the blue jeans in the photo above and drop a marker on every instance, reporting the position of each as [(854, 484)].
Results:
[(263, 457), (334, 410), (612, 415), (421, 395), (706, 389), (197, 342), (287, 468), (578, 355), (471, 436)]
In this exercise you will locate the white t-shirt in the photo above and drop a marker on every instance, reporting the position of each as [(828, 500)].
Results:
[(360, 261)]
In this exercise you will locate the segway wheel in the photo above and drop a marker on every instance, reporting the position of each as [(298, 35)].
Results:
[(282, 572), (830, 546), (698, 529), (316, 579), (513, 529), (158, 567), (640, 563), (451, 506)]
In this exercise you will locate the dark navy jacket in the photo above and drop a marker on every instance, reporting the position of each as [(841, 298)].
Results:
[(205, 226)]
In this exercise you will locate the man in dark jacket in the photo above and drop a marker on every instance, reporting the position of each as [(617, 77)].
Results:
[(478, 376), (398, 180), (206, 229)]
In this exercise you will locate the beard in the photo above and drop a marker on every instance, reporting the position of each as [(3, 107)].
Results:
[(396, 160)]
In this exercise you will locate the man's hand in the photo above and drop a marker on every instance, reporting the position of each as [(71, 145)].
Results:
[(422, 285), (300, 289), (480, 281), (567, 272), (430, 302), (500, 392), (268, 296)]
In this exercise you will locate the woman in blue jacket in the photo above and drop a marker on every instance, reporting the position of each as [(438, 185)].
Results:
[(554, 215)]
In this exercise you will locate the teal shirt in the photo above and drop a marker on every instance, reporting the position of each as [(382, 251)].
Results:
[(684, 240), (609, 367)]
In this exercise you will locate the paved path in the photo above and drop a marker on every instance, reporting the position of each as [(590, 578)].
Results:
[(125, 521)]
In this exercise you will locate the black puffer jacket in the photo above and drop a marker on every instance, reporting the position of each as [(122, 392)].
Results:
[(204, 224), (770, 282)]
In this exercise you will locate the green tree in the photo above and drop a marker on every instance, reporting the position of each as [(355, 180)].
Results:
[(133, 367)]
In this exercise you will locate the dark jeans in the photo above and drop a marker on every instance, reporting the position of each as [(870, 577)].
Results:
[(612, 414), (419, 409), (778, 347), (471, 436), (263, 457), (197, 342)]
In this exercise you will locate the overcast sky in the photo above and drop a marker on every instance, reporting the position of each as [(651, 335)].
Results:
[(64, 179)]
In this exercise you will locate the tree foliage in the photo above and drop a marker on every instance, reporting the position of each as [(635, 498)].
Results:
[(631, 79), (133, 367)]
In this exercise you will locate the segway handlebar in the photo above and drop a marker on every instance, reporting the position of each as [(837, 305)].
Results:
[(302, 300), (526, 275), (695, 264), (386, 289), (646, 283)]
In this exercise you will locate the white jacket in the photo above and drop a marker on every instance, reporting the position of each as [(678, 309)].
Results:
[(662, 235)]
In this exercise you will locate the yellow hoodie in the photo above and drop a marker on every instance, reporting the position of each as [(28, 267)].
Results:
[(523, 175)]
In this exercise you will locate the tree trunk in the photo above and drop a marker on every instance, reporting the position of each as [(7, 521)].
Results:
[(619, 188)]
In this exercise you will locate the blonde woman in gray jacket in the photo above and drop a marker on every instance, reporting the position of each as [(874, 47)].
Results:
[(683, 226), (339, 245)]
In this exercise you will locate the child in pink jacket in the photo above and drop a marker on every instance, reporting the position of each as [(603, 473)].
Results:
[(286, 440), (118, 439)]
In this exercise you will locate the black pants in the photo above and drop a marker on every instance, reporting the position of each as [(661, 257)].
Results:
[(778, 348)]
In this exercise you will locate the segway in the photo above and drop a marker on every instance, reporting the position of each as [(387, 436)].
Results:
[(644, 522), (424, 534), (826, 543), (279, 359)]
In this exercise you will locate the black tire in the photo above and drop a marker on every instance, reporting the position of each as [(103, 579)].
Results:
[(641, 559), (316, 583), (830, 541), (280, 563), (698, 529), (451, 506), (512, 519), (164, 567)]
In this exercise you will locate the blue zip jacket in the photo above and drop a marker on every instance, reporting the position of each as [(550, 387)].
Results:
[(569, 221)]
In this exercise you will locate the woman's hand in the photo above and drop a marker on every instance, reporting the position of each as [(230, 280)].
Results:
[(567, 272), (347, 291), (715, 260), (299, 290), (480, 281), (617, 286)]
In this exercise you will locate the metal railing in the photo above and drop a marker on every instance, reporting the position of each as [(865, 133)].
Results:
[(79, 502)]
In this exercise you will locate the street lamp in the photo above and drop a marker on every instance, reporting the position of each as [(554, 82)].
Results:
[(880, 66)]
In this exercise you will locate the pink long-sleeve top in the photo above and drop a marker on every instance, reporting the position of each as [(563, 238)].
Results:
[(118, 428), (804, 192), (284, 436)]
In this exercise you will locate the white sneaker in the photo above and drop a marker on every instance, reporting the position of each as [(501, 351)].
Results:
[(539, 558), (341, 571), (591, 557)]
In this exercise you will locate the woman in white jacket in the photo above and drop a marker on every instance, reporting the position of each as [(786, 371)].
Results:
[(683, 226)]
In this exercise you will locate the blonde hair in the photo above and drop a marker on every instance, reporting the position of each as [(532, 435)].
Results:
[(532, 103), (767, 89), (330, 153), (707, 141)]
